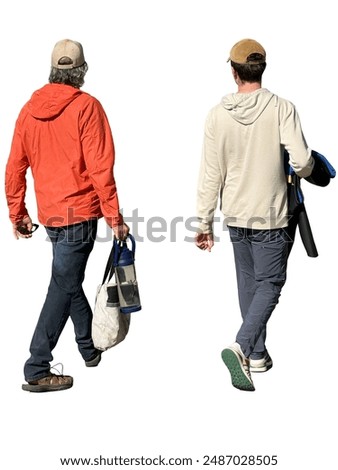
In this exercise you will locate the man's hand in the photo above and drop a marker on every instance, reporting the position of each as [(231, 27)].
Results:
[(121, 231), (25, 225), (204, 241)]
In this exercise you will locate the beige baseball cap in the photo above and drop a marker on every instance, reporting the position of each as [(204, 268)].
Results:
[(242, 49), (67, 54)]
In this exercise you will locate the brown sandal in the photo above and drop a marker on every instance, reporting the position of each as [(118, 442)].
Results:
[(51, 383)]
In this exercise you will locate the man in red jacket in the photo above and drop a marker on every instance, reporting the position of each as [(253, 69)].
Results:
[(64, 136)]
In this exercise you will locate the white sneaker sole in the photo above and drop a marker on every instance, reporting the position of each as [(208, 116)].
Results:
[(264, 368)]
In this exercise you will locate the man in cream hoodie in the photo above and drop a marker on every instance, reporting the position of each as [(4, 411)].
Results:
[(243, 165)]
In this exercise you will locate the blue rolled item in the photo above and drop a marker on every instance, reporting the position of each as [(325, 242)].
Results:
[(124, 265), (322, 172), (298, 218), (321, 175)]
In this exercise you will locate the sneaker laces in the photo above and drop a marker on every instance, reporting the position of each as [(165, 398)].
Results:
[(245, 365), (55, 367), (245, 361)]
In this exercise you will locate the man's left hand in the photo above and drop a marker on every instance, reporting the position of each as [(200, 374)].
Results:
[(121, 231)]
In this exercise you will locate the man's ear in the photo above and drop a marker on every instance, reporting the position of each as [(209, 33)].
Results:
[(234, 74)]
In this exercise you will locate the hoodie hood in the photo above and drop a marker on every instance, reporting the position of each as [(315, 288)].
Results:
[(246, 108), (50, 100)]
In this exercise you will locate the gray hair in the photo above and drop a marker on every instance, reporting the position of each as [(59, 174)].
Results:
[(73, 77)]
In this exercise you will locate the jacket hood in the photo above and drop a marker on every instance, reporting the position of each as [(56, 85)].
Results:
[(50, 100), (246, 108)]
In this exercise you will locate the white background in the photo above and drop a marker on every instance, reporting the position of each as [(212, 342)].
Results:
[(157, 67)]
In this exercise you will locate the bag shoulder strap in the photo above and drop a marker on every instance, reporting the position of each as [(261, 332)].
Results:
[(109, 271)]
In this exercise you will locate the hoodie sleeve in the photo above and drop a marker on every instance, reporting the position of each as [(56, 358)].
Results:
[(99, 154), (209, 182), (15, 178), (293, 140)]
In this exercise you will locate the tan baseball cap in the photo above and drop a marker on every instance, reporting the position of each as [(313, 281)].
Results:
[(67, 54), (242, 49)]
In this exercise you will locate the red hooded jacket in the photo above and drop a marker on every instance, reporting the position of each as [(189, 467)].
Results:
[(64, 136)]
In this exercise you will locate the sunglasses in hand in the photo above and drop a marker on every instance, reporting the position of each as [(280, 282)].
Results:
[(24, 230)]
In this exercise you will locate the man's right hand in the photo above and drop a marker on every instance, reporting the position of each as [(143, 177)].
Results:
[(204, 241), (25, 225)]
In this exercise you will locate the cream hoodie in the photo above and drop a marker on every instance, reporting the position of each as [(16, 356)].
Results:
[(243, 160)]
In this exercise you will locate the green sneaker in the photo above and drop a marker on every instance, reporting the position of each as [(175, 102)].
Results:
[(239, 367)]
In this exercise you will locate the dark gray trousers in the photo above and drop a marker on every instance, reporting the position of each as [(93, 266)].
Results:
[(261, 259)]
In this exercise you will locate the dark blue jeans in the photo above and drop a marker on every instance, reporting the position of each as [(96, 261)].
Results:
[(261, 260), (65, 298)]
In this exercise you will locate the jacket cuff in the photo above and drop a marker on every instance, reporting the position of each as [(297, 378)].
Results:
[(205, 227), (114, 221), (15, 219)]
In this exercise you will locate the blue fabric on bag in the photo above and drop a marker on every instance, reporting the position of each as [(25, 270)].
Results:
[(326, 164), (322, 172)]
